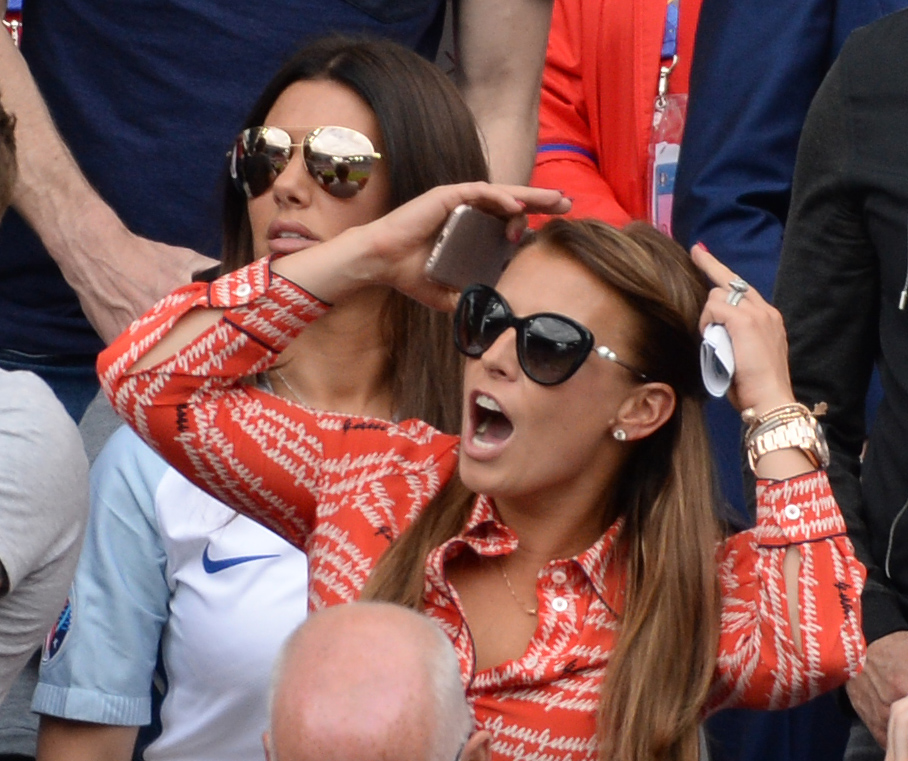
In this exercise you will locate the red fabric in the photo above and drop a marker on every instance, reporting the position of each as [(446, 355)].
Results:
[(343, 488), (600, 81)]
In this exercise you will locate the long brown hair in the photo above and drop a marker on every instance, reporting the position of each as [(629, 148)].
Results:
[(661, 669), (430, 138)]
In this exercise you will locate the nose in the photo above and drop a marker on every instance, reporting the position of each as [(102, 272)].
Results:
[(500, 359), (294, 186)]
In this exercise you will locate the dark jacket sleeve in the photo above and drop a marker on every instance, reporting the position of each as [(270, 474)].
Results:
[(756, 68), (828, 292)]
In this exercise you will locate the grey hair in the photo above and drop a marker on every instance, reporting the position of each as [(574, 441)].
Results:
[(452, 716)]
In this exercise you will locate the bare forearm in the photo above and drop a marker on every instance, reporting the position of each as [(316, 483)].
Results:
[(51, 192), (388, 252), (64, 740), (116, 274), (501, 54)]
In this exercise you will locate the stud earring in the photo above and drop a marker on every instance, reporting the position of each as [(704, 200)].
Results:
[(620, 434)]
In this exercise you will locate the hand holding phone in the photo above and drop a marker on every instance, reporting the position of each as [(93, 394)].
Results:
[(471, 248)]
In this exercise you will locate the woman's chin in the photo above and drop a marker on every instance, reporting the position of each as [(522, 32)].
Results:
[(481, 477)]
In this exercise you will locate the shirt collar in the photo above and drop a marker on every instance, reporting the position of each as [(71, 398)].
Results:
[(486, 535)]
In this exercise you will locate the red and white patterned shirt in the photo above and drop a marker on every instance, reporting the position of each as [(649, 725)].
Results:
[(343, 488)]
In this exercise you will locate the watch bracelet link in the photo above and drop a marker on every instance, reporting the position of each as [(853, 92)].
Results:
[(791, 426)]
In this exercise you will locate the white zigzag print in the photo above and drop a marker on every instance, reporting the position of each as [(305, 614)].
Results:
[(343, 488)]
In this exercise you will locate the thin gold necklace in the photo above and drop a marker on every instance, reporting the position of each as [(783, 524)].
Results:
[(524, 608), (290, 388)]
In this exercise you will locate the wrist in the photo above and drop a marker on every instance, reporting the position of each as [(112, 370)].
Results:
[(335, 269), (788, 429), (73, 226), (770, 399)]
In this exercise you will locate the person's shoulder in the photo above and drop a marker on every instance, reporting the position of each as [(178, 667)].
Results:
[(24, 393), (126, 459), (35, 418)]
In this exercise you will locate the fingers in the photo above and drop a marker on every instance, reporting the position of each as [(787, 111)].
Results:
[(720, 275), (717, 272), (438, 296), (516, 228), (506, 200), (731, 291), (897, 733)]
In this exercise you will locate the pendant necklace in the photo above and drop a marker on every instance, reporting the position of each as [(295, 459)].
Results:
[(290, 388), (529, 611)]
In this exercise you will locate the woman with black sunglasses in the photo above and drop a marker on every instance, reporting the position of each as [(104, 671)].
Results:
[(344, 132), (574, 557)]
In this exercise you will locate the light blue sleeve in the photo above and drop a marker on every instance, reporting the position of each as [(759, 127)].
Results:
[(99, 660)]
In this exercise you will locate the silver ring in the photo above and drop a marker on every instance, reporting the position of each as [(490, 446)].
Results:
[(734, 297), (739, 287)]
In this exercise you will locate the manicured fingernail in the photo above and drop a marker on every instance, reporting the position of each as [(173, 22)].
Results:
[(702, 245), (515, 235), (522, 204)]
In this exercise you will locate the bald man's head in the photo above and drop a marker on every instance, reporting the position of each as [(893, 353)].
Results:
[(370, 682)]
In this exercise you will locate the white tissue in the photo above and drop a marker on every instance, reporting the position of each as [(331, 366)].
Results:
[(717, 360)]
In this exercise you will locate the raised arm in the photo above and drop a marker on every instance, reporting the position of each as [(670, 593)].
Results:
[(180, 375), (756, 68), (567, 155), (840, 240), (116, 274), (501, 53), (791, 587)]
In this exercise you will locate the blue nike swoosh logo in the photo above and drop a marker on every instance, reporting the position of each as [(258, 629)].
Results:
[(213, 566)]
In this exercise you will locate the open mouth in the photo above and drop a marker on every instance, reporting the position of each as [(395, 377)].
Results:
[(491, 427)]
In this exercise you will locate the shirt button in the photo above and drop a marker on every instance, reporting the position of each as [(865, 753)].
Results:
[(559, 605), (532, 661), (243, 290), (559, 576), (792, 512)]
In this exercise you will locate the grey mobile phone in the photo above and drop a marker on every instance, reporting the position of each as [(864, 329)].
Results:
[(471, 248)]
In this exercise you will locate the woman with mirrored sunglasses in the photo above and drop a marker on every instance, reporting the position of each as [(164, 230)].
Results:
[(346, 131), (568, 541)]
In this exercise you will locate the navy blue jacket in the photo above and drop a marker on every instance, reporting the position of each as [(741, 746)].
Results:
[(757, 65), (756, 68)]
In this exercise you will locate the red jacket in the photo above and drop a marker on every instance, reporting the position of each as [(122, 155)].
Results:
[(600, 83)]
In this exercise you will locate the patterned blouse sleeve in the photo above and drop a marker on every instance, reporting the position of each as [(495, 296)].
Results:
[(266, 457), (759, 665)]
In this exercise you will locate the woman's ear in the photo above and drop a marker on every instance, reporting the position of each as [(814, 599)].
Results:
[(645, 411)]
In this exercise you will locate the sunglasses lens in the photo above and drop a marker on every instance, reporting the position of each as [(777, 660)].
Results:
[(552, 349), (480, 318), (340, 159), (259, 156)]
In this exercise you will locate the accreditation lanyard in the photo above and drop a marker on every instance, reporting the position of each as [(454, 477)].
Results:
[(13, 20), (669, 112)]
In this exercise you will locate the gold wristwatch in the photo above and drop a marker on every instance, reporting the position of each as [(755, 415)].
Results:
[(802, 432)]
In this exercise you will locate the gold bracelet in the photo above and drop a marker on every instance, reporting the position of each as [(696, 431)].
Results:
[(782, 414)]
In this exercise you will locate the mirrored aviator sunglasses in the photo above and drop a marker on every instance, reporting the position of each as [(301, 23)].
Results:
[(339, 159), (550, 347)]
